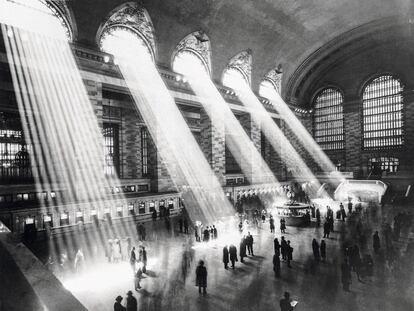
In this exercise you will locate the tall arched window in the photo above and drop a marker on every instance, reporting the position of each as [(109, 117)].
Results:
[(382, 113), (187, 62), (329, 119), (234, 79), (49, 18)]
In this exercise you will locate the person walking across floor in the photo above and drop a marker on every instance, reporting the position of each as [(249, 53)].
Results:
[(242, 250)]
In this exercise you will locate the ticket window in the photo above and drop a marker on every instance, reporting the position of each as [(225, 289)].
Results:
[(119, 211), (47, 221), (64, 219), (151, 207), (141, 209), (162, 208), (79, 217), (131, 210), (94, 216), (29, 224), (170, 204)]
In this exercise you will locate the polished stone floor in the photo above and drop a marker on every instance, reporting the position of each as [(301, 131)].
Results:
[(172, 258)]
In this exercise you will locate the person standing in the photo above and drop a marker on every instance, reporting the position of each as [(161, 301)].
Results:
[(323, 250), (282, 225), (133, 259), (143, 258), (289, 254), (343, 213), (226, 257), (285, 304), (276, 247), (315, 249), (201, 277), (131, 302), (154, 215), (283, 248), (206, 234), (137, 279), (349, 207), (276, 265), (242, 250), (233, 255), (117, 304), (185, 226), (249, 242), (376, 242), (326, 229), (318, 217), (272, 224), (214, 232)]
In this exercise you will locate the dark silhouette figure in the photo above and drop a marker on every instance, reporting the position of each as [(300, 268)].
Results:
[(323, 250), (185, 226), (201, 277), (131, 302), (117, 304), (249, 243), (242, 250), (326, 229), (289, 254), (315, 249), (283, 248), (233, 255), (376, 244), (283, 225), (318, 217), (226, 257), (276, 245), (276, 265), (285, 303)]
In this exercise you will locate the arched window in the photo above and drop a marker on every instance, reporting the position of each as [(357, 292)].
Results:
[(186, 62), (192, 54), (234, 79), (128, 29), (329, 119), (382, 113), (267, 89), (40, 16), (120, 40)]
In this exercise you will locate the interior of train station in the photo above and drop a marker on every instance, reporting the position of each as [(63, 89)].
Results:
[(206, 155)]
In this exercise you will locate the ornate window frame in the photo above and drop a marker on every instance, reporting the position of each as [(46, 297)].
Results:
[(131, 17), (197, 43)]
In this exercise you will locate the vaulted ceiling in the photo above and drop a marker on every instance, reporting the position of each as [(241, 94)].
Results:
[(278, 31)]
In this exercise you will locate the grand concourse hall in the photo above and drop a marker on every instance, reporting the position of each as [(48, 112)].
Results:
[(206, 155)]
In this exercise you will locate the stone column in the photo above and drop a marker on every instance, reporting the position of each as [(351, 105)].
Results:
[(213, 144), (353, 134)]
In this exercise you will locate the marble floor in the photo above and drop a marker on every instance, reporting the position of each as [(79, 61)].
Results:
[(172, 258)]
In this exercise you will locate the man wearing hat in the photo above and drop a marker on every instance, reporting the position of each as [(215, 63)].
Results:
[(131, 302), (117, 304)]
